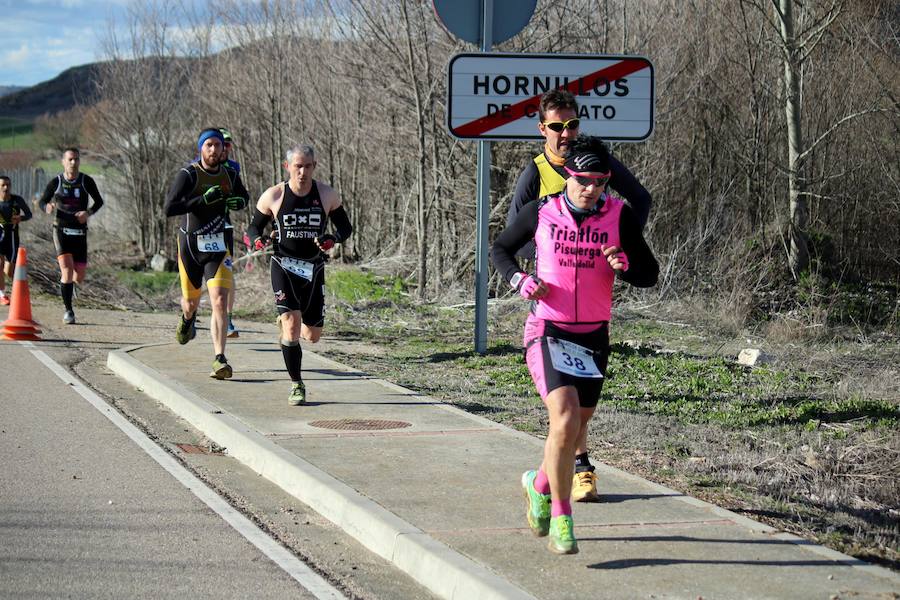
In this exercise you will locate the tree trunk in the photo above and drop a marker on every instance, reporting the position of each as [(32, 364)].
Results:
[(421, 163), (798, 257)]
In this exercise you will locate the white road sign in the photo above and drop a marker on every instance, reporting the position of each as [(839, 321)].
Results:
[(495, 96)]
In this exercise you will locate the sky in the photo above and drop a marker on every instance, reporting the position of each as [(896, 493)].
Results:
[(40, 39)]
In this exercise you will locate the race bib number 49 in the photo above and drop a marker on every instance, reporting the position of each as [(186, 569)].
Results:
[(573, 359), (214, 242)]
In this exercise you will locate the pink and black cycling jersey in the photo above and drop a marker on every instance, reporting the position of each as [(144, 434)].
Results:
[(569, 259), (569, 256)]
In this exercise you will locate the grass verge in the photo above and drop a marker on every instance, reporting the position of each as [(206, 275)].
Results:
[(809, 443)]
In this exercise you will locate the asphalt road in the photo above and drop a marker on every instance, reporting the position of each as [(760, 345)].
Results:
[(85, 512)]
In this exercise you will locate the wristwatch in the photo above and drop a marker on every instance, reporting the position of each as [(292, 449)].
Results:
[(517, 279)]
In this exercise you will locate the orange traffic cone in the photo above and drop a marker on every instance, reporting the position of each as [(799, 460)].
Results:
[(19, 325)]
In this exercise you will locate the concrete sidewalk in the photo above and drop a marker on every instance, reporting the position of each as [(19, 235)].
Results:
[(436, 490)]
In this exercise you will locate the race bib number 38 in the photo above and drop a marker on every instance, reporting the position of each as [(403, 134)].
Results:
[(214, 242), (573, 359)]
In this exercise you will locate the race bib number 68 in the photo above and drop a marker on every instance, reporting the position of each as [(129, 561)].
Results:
[(214, 242)]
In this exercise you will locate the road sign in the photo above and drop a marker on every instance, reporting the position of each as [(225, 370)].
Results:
[(495, 96), (463, 18)]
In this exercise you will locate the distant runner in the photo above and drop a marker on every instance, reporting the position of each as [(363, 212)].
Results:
[(66, 196), (583, 239), (227, 147), (545, 175), (13, 210), (204, 192), (301, 208)]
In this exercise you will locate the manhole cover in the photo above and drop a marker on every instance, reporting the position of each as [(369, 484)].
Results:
[(360, 424)]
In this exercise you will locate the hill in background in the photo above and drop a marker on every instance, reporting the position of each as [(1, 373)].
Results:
[(6, 90), (77, 85)]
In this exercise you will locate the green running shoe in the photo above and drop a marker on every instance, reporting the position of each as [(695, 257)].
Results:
[(298, 394), (562, 537), (537, 506), (221, 370), (186, 331)]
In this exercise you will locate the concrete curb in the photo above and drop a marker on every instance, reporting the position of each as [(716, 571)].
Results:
[(434, 565)]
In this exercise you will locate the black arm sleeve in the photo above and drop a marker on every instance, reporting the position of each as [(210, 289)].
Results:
[(341, 223), (47, 196), (643, 270), (528, 186), (91, 187), (176, 202), (25, 212), (628, 187), (257, 225), (516, 235)]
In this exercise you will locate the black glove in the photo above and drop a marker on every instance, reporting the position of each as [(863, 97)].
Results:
[(326, 242), (235, 203)]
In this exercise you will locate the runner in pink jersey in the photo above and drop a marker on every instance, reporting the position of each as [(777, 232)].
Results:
[(584, 238)]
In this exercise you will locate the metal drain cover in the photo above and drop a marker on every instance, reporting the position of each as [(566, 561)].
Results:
[(360, 424)]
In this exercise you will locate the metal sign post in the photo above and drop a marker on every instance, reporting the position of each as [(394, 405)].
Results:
[(473, 21), (483, 207)]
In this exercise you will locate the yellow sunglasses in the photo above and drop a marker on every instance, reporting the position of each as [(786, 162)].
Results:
[(558, 126)]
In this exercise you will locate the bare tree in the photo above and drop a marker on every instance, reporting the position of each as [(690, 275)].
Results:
[(363, 82), (138, 127), (62, 129)]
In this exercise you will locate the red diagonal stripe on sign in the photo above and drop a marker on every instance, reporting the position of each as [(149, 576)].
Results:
[(517, 111)]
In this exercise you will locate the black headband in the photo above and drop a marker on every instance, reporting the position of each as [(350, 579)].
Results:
[(585, 162)]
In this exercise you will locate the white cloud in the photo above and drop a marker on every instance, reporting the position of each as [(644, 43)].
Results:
[(56, 3), (42, 38), (19, 57), (46, 37)]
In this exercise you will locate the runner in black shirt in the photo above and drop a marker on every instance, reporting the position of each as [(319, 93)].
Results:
[(203, 193), (227, 147), (66, 197), (13, 210), (301, 208)]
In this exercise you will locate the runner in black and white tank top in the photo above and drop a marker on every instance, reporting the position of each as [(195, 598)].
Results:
[(301, 208), (301, 219)]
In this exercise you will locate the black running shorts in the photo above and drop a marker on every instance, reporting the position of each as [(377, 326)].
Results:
[(9, 244), (546, 377), (195, 266), (298, 288), (71, 240)]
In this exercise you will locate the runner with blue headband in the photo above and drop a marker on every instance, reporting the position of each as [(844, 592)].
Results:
[(203, 193)]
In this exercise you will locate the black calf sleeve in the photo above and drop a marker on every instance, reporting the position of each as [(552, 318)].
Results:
[(66, 291), (293, 358)]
